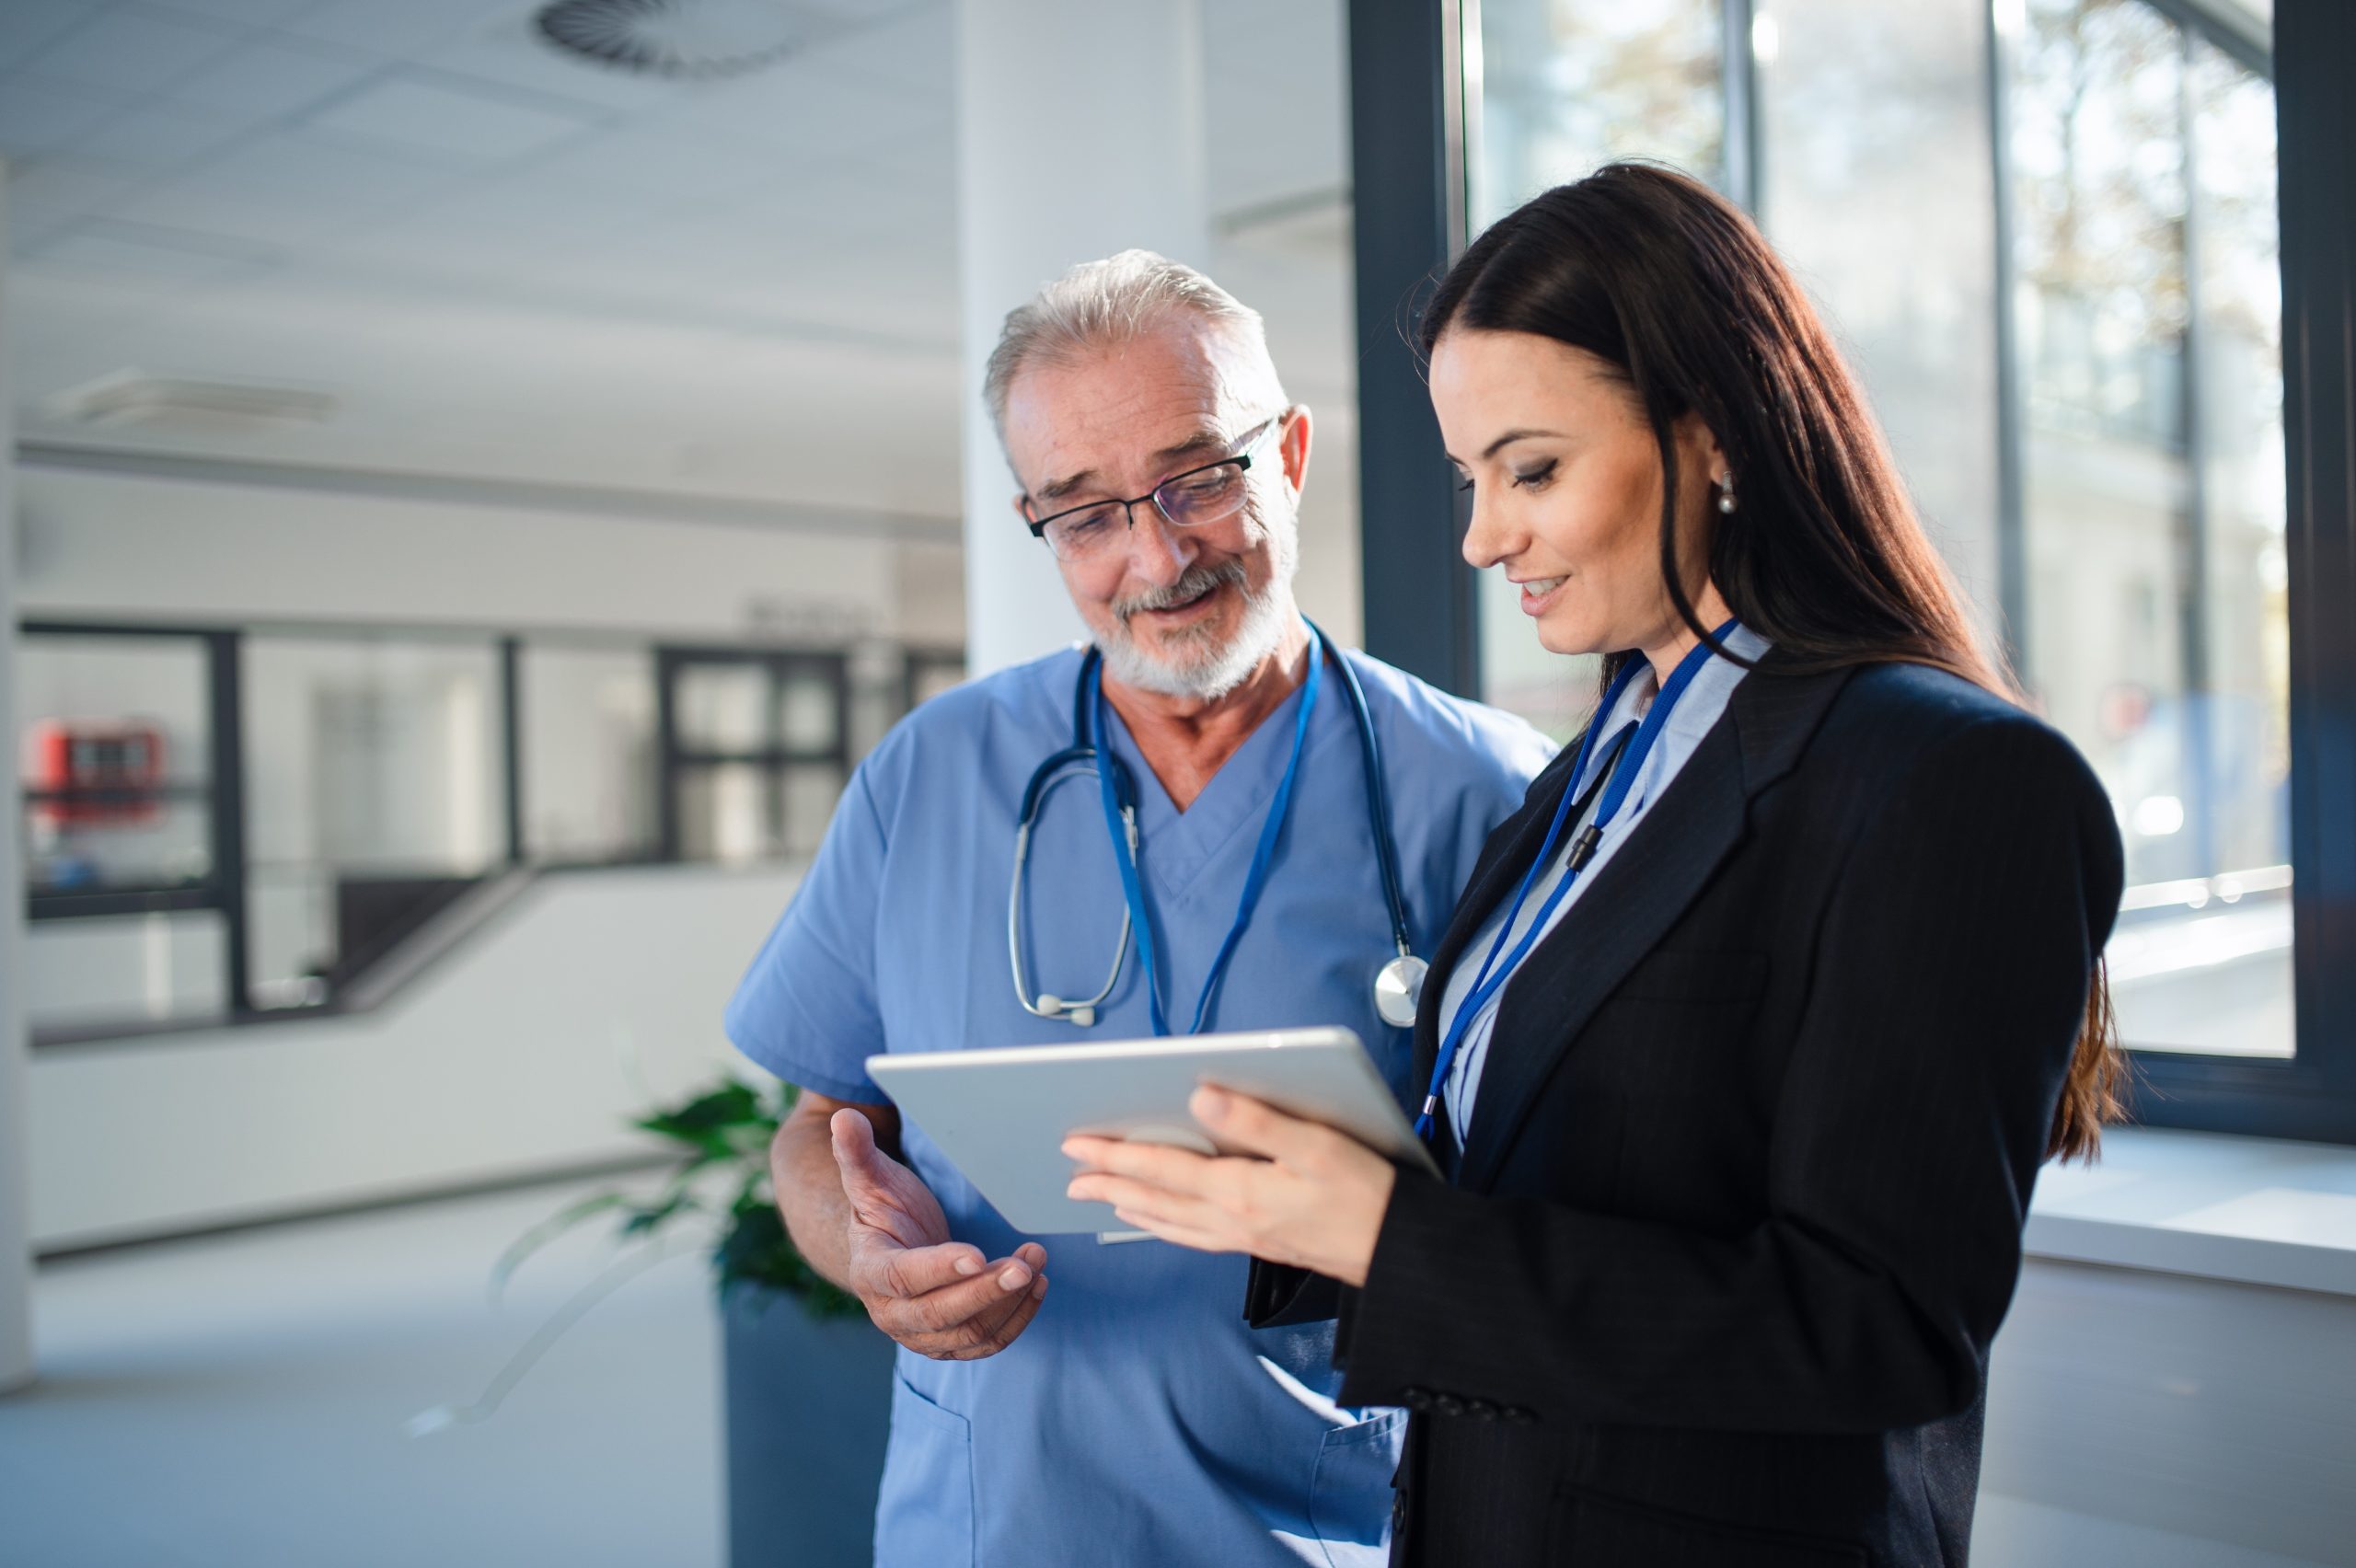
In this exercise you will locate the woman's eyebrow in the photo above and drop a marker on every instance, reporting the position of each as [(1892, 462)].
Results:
[(1511, 436)]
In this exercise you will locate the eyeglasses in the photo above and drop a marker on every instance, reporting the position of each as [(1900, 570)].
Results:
[(1212, 493)]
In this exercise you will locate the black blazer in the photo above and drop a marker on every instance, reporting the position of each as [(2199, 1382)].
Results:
[(1740, 1206)]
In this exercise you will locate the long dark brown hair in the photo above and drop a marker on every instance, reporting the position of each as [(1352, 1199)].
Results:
[(1663, 280)]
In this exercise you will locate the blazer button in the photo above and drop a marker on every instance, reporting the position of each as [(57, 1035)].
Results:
[(1415, 1398), (1481, 1408), (1520, 1415), (1447, 1404)]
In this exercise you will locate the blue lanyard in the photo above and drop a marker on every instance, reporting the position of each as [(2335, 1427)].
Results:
[(1255, 881), (1625, 760)]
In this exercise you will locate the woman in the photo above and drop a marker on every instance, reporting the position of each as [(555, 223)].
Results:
[(1754, 1027)]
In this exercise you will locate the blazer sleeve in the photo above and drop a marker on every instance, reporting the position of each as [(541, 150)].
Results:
[(1951, 974)]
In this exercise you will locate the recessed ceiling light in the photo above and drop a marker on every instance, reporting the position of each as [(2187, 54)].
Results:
[(675, 38)]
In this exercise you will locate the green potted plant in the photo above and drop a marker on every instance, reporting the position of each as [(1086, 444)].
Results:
[(806, 1379)]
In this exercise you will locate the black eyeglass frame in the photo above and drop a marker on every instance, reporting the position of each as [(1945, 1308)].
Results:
[(1240, 458)]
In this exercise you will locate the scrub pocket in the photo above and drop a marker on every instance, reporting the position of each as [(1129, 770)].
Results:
[(1349, 1497), (924, 1515)]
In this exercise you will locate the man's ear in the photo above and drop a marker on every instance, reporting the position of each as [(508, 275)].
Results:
[(1293, 448)]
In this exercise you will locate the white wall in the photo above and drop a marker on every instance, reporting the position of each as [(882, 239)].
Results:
[(107, 545), (502, 1059)]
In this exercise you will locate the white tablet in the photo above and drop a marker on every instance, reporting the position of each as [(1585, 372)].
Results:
[(1001, 1115)]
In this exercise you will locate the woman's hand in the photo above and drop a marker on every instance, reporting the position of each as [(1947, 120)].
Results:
[(1315, 1201)]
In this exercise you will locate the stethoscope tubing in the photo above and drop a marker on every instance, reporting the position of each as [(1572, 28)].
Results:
[(1092, 752)]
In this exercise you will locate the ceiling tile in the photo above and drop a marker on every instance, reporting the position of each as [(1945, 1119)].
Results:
[(295, 167), (159, 139), (132, 51), (59, 193), (405, 29), (450, 116), (29, 26), (37, 115), (671, 166), (800, 108), (914, 50), (148, 252), (242, 13), (509, 49), (264, 81)]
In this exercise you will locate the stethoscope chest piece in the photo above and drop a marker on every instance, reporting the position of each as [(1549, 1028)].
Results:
[(1397, 988)]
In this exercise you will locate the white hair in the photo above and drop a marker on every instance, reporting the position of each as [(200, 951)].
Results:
[(1105, 304)]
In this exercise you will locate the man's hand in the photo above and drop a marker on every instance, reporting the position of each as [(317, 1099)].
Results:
[(937, 1296)]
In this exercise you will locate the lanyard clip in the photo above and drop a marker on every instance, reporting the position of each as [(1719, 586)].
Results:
[(1583, 847)]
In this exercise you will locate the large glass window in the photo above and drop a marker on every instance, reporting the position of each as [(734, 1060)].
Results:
[(1555, 90), (2147, 292), (2127, 542)]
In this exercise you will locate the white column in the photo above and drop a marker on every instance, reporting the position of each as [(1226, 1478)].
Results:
[(15, 1247), (1080, 132)]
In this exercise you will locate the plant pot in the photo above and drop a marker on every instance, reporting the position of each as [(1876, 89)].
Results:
[(808, 1407)]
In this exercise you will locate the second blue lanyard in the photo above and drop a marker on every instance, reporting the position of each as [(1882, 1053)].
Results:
[(1255, 881), (1624, 760)]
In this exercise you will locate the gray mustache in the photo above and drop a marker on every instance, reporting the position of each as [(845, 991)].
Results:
[(1197, 582)]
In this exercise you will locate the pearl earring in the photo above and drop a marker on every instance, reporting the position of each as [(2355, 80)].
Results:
[(1726, 493)]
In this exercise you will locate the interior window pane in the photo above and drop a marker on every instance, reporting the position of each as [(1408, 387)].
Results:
[(290, 933), (95, 843), (2146, 293), (118, 970), (724, 708), (729, 813), (374, 756), (118, 687), (1565, 85), (810, 715), (811, 790), (114, 758), (589, 754), (1560, 86), (1874, 125)]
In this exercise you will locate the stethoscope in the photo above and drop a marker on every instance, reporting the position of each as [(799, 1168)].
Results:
[(1615, 775), (1398, 984)]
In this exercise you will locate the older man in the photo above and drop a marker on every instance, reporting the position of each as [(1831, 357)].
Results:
[(1130, 1416)]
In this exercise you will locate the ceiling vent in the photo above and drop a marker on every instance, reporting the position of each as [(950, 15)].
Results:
[(692, 39), (136, 398)]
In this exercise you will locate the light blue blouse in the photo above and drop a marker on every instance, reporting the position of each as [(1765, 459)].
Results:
[(1697, 712)]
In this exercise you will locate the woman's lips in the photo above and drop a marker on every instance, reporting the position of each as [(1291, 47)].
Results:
[(1537, 595)]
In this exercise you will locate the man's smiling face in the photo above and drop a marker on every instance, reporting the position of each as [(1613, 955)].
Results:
[(1184, 611)]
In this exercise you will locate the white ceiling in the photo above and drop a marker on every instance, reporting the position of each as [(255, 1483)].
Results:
[(505, 263)]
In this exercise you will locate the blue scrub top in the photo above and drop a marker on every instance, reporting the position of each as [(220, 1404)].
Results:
[(1138, 1419)]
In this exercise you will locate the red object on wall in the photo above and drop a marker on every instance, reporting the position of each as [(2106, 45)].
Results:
[(93, 774)]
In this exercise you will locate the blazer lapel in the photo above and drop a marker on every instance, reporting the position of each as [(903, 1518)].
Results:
[(1637, 896)]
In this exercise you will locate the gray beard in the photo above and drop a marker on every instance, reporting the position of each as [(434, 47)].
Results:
[(1193, 666)]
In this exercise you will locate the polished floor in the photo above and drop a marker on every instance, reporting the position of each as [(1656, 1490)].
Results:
[(241, 1402)]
